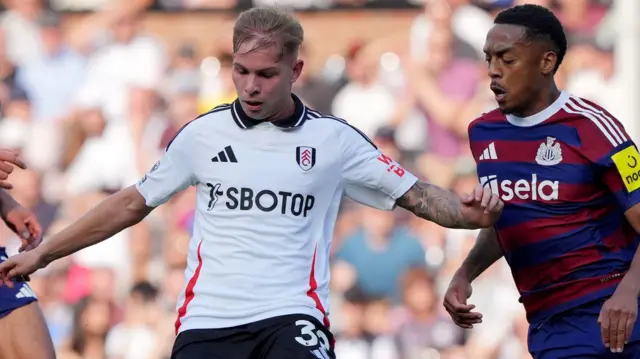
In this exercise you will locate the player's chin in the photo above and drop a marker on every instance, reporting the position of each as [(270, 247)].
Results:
[(505, 108)]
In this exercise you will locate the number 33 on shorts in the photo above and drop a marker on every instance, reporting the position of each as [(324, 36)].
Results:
[(315, 339)]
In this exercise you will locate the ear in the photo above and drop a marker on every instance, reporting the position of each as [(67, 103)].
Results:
[(297, 70), (548, 63)]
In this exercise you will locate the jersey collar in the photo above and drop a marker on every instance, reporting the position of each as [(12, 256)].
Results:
[(295, 120)]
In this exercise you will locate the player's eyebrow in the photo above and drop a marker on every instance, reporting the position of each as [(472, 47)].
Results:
[(266, 69), (498, 49)]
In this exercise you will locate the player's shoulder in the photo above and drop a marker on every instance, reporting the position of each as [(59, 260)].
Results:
[(212, 118), (336, 126), (492, 116), (592, 121)]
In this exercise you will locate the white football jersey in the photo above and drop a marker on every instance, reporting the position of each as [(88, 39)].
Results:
[(267, 200)]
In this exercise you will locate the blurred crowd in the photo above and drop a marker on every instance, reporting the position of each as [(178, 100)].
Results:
[(91, 119)]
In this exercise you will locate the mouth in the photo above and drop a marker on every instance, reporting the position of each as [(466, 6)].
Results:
[(499, 92), (253, 105)]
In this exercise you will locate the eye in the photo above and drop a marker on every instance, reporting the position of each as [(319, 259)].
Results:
[(241, 71), (267, 75), (509, 61)]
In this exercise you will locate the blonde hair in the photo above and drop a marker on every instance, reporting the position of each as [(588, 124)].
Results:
[(268, 26)]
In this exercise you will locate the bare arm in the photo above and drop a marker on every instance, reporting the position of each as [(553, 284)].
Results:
[(434, 204), (484, 253), (119, 211), (631, 279), (7, 203), (478, 210)]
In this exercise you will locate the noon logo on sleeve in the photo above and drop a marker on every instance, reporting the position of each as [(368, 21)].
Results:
[(627, 162)]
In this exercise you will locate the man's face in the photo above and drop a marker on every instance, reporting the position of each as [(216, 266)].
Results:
[(263, 79), (517, 67)]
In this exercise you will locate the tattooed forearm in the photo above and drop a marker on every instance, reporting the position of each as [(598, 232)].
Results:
[(485, 252), (434, 204), (7, 203)]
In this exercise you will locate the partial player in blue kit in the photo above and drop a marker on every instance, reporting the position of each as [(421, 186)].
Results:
[(24, 331), (567, 172)]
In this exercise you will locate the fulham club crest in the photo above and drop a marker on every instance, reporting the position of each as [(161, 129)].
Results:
[(306, 157)]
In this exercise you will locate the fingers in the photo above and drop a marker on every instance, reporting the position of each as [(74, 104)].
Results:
[(8, 159), (614, 332), (486, 197), (465, 320), (603, 321), (5, 273), (475, 196), (461, 314), (478, 193), (33, 244), (631, 321), (494, 205), (5, 185), (617, 344), (34, 235), (5, 170), (467, 198), (12, 157), (454, 305), (34, 228)]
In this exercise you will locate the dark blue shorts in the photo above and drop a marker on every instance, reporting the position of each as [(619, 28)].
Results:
[(16, 297), (575, 334)]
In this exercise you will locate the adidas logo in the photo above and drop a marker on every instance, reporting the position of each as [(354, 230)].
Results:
[(225, 156), (25, 292), (489, 153)]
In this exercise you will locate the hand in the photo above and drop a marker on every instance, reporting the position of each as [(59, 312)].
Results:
[(617, 318), (482, 207), (8, 158), (20, 266), (26, 225), (455, 302)]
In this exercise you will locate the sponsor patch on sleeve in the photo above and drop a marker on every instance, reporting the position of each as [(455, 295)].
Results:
[(628, 163)]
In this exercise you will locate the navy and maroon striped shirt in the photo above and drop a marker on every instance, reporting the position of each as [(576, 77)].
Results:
[(567, 175)]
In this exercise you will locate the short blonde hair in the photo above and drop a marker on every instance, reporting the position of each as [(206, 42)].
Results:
[(268, 26)]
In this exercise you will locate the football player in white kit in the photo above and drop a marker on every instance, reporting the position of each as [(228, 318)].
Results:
[(270, 174)]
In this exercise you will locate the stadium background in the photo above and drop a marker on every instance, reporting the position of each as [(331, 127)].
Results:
[(92, 90)]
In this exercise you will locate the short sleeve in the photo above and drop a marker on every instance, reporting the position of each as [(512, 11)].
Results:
[(614, 155), (173, 173), (371, 177)]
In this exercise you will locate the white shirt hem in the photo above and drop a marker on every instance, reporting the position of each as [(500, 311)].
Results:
[(200, 322)]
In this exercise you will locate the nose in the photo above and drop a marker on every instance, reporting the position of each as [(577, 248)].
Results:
[(252, 87), (493, 70)]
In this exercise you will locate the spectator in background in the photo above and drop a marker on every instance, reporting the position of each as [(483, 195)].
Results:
[(351, 341), (379, 253), (420, 325), (132, 62), (441, 87), (364, 102), (312, 89), (182, 108), (7, 74), (19, 24), (52, 79), (135, 336), (592, 76), (92, 319), (469, 25), (183, 71), (224, 91)]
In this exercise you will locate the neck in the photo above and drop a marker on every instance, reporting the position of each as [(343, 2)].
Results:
[(546, 97), (287, 110)]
